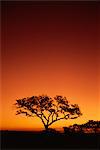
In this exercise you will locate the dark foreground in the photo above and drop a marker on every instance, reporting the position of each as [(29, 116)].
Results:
[(27, 140)]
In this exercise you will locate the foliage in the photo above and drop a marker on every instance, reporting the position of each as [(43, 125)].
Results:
[(48, 109), (89, 127)]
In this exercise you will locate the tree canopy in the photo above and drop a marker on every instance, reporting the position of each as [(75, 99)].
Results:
[(89, 127), (48, 109)]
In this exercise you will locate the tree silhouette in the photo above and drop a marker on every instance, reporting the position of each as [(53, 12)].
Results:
[(94, 125), (90, 127), (47, 109)]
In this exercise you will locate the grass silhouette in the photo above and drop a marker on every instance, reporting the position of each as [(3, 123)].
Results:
[(50, 139)]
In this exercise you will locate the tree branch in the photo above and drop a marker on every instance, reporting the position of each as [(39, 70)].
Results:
[(40, 116), (49, 117), (44, 116), (53, 116), (59, 119)]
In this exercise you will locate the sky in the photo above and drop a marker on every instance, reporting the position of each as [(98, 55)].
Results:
[(49, 49)]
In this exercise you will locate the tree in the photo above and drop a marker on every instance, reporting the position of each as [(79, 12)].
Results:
[(93, 125), (89, 127), (48, 109)]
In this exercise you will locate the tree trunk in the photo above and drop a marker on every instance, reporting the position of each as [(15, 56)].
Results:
[(46, 127)]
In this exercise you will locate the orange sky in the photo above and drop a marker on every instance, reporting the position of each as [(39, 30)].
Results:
[(49, 49)]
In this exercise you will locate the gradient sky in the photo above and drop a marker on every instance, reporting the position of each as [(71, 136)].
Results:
[(49, 49)]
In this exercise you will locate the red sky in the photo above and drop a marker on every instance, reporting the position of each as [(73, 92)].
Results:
[(49, 49)]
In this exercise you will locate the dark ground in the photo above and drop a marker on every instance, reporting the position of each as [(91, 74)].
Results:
[(27, 140)]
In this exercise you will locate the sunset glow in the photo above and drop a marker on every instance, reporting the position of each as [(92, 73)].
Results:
[(49, 49)]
